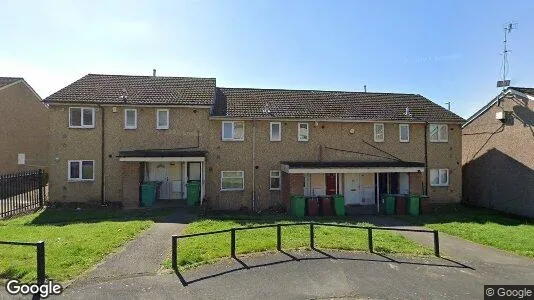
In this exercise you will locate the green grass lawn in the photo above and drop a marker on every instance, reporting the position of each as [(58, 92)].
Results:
[(74, 240), (195, 251), (483, 226)]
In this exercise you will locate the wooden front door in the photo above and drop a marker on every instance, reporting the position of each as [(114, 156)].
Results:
[(331, 184)]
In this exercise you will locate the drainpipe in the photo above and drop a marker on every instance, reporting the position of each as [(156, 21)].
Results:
[(102, 123), (426, 158), (253, 164)]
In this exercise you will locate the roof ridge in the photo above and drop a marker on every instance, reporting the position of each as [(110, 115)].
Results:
[(146, 76), (320, 91)]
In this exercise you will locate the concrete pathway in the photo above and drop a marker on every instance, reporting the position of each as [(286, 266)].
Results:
[(314, 275), (451, 246), (142, 256)]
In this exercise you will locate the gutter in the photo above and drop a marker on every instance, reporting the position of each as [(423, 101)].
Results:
[(426, 160), (102, 158)]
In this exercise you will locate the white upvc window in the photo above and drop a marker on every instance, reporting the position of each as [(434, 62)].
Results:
[(439, 177), (276, 131), (81, 170), (303, 132), (81, 117), (162, 119), (232, 180), (404, 133), (438, 132), (379, 132), (233, 131), (130, 118), (275, 180)]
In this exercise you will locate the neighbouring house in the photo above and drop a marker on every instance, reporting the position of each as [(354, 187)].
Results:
[(248, 148), (498, 153), (23, 127)]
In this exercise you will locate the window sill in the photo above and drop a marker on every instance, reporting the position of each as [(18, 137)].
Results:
[(404, 141), (440, 141), (232, 140), (80, 180), (232, 190), (439, 185), (82, 127), (275, 190), (275, 140)]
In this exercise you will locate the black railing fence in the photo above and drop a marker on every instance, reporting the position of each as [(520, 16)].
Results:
[(312, 226), (40, 257), (21, 192)]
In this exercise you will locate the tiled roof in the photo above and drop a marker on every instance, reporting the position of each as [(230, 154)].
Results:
[(8, 80), (122, 89), (524, 90), (306, 104)]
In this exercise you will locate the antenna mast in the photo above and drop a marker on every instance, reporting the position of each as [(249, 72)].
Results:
[(508, 27)]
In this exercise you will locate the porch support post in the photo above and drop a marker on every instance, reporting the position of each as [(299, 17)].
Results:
[(202, 181)]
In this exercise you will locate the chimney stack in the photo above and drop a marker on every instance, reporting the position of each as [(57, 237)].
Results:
[(365, 88), (154, 72)]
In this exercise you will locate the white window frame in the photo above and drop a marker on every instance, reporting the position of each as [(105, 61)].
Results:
[(303, 139), (273, 139), (440, 139), (279, 176), (157, 118), (81, 117), (408, 133), (233, 138), (126, 126), (80, 171), (439, 172), (376, 137), (233, 189)]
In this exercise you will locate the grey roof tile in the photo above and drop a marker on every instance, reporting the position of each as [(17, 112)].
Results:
[(8, 80), (123, 89)]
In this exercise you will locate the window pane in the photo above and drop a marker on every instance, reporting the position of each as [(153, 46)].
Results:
[(163, 120), (87, 170), (443, 133), (379, 132), (404, 133), (275, 173), (87, 116), (239, 130), (75, 117), (130, 118), (434, 177), (275, 182), (433, 132), (275, 131), (74, 169), (232, 183), (443, 176), (227, 131), (227, 174), (303, 131)]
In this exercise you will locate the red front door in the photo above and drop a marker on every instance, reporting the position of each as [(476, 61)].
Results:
[(330, 184)]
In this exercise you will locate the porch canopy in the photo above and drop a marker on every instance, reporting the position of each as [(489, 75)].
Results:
[(299, 167), (161, 155)]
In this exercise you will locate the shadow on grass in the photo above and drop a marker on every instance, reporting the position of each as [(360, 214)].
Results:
[(66, 216), (380, 258)]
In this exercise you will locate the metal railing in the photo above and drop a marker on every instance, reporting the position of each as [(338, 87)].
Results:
[(312, 226), (40, 251), (21, 192)]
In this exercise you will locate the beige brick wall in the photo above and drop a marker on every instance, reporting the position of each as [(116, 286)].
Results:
[(23, 129), (498, 161), (190, 126), (130, 184)]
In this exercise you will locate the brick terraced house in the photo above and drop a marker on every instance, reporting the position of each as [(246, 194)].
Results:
[(248, 148)]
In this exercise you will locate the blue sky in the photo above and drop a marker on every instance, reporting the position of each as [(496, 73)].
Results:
[(444, 50)]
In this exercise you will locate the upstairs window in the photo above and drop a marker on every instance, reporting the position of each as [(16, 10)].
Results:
[(438, 132), (81, 117), (404, 133), (80, 170), (130, 118), (303, 132), (439, 177), (379, 132), (162, 119), (233, 131), (276, 131)]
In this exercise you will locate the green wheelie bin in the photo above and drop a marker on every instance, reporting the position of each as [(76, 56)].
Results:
[(148, 194), (390, 204), (193, 193), (413, 205), (298, 206), (339, 205)]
